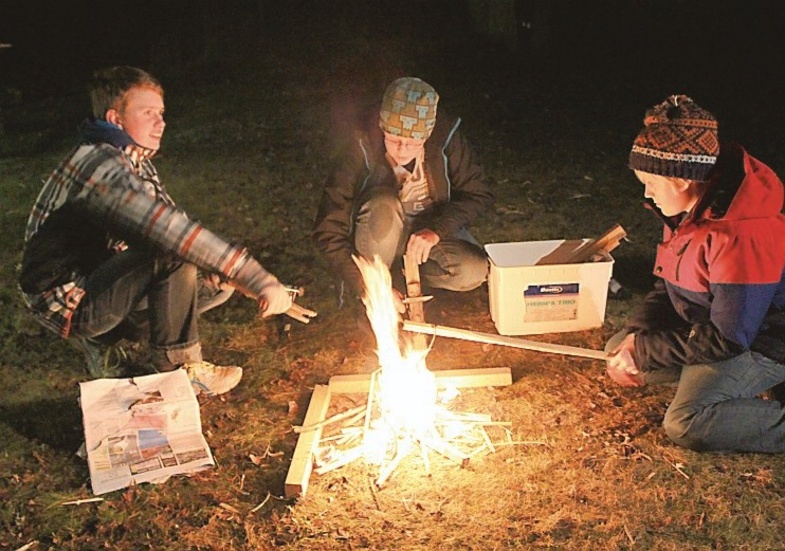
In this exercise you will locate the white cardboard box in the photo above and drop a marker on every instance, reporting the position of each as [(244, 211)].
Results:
[(528, 298)]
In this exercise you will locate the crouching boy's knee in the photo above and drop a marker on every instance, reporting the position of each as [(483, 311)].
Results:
[(680, 427)]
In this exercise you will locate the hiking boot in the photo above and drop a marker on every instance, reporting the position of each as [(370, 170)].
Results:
[(101, 360), (212, 380)]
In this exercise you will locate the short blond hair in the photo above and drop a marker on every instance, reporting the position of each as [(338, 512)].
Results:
[(109, 88)]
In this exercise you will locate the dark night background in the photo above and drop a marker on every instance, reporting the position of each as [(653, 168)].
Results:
[(726, 55), (551, 94)]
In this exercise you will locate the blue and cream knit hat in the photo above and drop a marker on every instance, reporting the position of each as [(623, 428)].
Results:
[(409, 108), (679, 140)]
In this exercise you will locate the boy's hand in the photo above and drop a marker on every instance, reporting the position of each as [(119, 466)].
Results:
[(420, 245), (275, 299), (215, 282), (621, 364)]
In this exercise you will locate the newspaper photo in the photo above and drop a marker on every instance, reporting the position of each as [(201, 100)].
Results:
[(142, 429)]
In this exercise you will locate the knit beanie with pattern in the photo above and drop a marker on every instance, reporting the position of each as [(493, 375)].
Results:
[(409, 108), (679, 140)]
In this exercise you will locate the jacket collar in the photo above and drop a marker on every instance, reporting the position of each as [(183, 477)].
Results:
[(95, 131)]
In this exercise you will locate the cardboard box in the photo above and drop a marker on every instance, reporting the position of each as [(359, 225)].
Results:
[(530, 294)]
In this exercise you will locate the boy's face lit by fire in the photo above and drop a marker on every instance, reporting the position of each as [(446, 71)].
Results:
[(402, 150), (141, 116), (672, 195)]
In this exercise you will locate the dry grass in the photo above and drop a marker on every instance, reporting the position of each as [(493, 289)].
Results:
[(247, 153)]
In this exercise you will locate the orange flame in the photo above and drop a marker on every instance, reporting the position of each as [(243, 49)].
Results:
[(406, 388)]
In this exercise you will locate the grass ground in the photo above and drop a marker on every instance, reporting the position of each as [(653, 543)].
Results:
[(246, 152)]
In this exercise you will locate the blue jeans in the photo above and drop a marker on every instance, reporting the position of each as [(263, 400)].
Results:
[(382, 228), (717, 405), (164, 292)]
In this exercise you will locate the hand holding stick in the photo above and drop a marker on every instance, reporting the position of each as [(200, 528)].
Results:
[(297, 312)]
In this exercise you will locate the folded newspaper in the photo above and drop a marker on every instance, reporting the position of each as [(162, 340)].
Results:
[(142, 429)]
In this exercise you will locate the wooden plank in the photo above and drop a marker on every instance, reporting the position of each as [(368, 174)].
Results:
[(607, 242), (562, 253), (411, 271), (302, 458), (456, 378), (489, 338), (576, 251), (473, 378)]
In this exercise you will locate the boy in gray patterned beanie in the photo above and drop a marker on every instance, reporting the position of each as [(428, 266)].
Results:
[(407, 184)]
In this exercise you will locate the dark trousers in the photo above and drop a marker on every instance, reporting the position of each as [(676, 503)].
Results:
[(457, 263), (136, 288)]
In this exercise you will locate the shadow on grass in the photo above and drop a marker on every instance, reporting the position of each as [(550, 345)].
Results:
[(56, 422)]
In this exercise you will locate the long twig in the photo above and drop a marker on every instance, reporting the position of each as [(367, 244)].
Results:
[(266, 499), (369, 410), (346, 457), (81, 501), (335, 418)]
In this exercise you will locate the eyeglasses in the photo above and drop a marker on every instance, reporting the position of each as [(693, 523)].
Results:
[(402, 143)]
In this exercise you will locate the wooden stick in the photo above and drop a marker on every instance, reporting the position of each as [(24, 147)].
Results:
[(266, 499), (415, 308), (438, 445), (607, 242), (487, 338), (296, 311), (302, 458), (294, 315), (423, 298), (447, 378), (347, 457), (425, 459), (387, 470), (338, 417), (487, 439), (81, 501), (369, 407)]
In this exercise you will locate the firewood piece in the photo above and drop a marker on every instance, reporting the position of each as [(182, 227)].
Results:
[(437, 444), (562, 253), (345, 458), (447, 378), (335, 418), (487, 338), (369, 407), (302, 458), (296, 311), (387, 469), (607, 242), (487, 439), (423, 298), (411, 271), (299, 313)]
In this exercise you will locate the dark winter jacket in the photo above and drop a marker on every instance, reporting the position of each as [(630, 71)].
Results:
[(456, 182), (722, 270)]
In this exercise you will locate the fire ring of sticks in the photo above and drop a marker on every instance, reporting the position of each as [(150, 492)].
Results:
[(362, 432), (404, 411)]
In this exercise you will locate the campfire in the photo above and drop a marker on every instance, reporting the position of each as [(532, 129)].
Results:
[(406, 410)]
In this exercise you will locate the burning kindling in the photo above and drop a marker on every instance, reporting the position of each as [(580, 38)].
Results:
[(406, 411)]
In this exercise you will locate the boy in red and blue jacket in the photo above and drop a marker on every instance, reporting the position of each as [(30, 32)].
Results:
[(715, 321)]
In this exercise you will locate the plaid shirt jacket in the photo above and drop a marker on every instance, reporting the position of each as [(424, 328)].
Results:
[(119, 191)]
